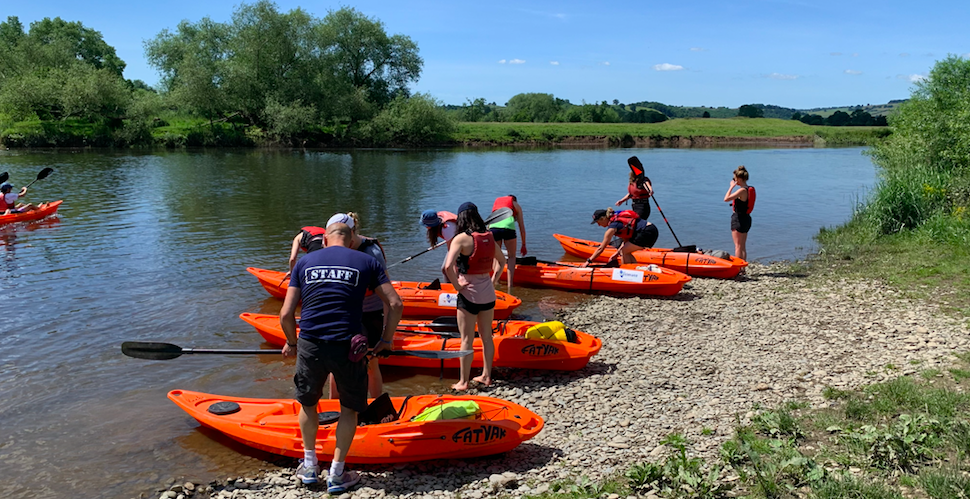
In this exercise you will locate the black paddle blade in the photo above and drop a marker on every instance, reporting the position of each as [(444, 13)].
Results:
[(498, 215), (151, 351), (4, 176), (44, 173)]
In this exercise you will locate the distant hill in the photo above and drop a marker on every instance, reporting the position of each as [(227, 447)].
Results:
[(770, 111)]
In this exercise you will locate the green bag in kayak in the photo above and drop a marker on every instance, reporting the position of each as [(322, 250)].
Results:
[(452, 410)]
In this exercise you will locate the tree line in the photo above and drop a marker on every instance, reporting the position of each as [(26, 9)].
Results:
[(546, 108), (265, 75)]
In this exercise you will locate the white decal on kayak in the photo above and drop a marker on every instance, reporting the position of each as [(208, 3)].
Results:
[(448, 300), (650, 268), (627, 275)]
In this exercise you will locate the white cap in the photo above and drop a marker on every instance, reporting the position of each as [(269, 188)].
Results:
[(341, 218)]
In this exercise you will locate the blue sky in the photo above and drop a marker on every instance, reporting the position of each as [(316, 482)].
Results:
[(791, 53)]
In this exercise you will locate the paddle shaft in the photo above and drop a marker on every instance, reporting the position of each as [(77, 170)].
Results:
[(40, 176), (665, 219), (412, 257)]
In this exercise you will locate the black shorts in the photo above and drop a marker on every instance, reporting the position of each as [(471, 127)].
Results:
[(503, 234), (642, 207), (373, 323), (316, 360), (474, 308), (647, 237), (740, 223)]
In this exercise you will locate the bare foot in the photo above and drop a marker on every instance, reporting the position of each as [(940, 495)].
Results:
[(487, 381), (459, 386)]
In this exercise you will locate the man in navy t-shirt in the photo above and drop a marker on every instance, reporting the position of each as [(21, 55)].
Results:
[(331, 283)]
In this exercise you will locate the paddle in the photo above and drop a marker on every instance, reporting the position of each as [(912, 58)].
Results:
[(3, 177), (531, 260), (689, 249), (167, 351), (496, 216), (40, 176)]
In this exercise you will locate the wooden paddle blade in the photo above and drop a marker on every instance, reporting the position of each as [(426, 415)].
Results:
[(44, 173), (499, 215), (151, 351)]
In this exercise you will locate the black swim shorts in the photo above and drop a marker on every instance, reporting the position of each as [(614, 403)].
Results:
[(502, 234), (373, 323), (740, 223), (474, 308), (647, 237), (316, 360)]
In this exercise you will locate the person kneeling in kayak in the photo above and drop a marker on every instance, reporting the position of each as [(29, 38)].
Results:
[(331, 283), (8, 200), (635, 232)]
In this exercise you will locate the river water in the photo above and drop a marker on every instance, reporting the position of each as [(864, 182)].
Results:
[(154, 246)]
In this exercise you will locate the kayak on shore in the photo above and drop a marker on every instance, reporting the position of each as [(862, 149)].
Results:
[(512, 347), (42, 211), (271, 425), (692, 264), (422, 300), (635, 279)]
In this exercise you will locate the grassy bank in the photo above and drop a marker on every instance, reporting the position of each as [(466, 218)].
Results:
[(181, 131), (909, 437), (760, 128)]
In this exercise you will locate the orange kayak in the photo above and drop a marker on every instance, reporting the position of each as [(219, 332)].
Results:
[(419, 301), (694, 264), (636, 279), (512, 348), (271, 425), (44, 210)]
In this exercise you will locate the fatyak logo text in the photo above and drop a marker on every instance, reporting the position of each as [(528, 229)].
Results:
[(328, 273), (540, 350), (477, 436)]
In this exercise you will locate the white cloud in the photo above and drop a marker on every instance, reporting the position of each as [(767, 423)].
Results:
[(667, 67), (835, 53), (503, 61), (853, 72), (516, 61), (698, 49), (554, 63), (779, 76), (605, 63), (913, 78)]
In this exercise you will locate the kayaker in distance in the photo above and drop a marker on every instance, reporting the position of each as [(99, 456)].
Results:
[(472, 257), (639, 189), (331, 283), (8, 200), (635, 232), (741, 218), (503, 231), (374, 308), (440, 225)]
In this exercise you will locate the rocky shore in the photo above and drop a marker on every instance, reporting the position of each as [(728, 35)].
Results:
[(691, 364)]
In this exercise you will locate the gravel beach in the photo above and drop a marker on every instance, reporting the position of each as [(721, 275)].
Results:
[(685, 364)]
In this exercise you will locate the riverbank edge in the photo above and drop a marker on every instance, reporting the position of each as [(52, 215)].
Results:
[(578, 142), (743, 335)]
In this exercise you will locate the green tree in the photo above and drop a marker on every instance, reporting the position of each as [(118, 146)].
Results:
[(751, 111), (532, 107), (706, 115), (838, 118), (418, 120)]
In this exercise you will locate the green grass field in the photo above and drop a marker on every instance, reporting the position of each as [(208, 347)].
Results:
[(683, 127)]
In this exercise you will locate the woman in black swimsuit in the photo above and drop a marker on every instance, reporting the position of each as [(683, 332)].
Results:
[(740, 219)]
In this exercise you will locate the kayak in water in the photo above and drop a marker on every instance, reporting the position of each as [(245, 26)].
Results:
[(635, 279), (692, 264), (42, 211), (422, 300)]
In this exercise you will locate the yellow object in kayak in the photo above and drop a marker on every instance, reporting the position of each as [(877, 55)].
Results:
[(552, 330)]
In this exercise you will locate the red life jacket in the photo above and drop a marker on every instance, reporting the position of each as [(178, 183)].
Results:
[(636, 192), (480, 261), (312, 233), (503, 202), (3, 203), (629, 220), (447, 216), (751, 197)]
